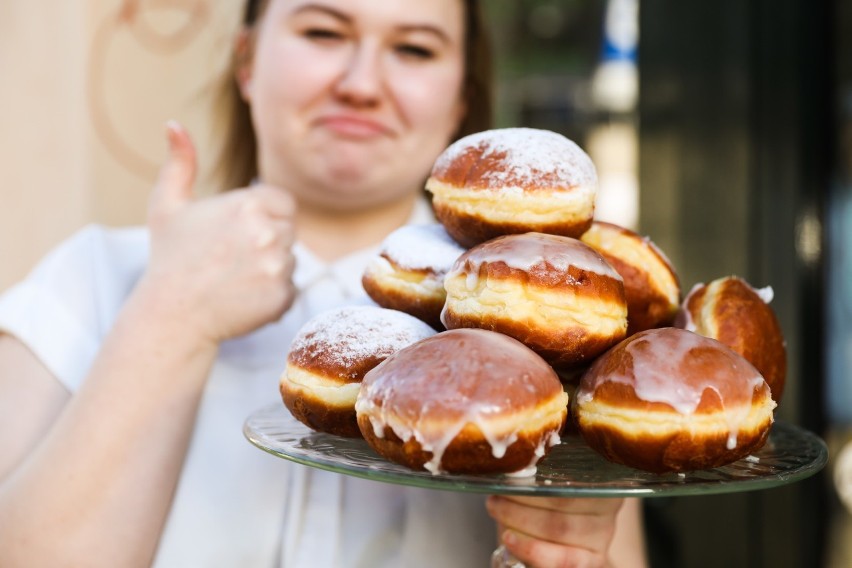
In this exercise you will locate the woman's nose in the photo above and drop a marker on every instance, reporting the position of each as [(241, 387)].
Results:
[(361, 81)]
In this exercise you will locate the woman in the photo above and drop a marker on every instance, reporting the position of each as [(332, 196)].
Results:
[(130, 358)]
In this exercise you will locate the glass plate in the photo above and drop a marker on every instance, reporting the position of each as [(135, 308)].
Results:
[(570, 469)]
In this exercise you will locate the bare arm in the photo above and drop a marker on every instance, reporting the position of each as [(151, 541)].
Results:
[(91, 478), (30, 401), (99, 480)]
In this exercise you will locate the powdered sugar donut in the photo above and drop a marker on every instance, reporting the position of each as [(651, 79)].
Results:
[(408, 273), (330, 356), (513, 180), (463, 401)]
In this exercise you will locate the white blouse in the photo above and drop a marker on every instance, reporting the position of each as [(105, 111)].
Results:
[(236, 505)]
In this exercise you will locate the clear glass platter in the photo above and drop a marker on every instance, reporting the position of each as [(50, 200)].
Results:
[(570, 469)]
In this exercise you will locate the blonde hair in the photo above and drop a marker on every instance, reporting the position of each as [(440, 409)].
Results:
[(237, 163)]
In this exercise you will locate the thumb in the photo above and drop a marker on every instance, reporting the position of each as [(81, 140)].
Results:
[(174, 186)]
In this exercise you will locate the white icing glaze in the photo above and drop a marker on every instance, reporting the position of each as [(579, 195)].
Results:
[(498, 377), (529, 153), (688, 322), (675, 367), (554, 439), (422, 247), (767, 294), (523, 252), (471, 281), (526, 472)]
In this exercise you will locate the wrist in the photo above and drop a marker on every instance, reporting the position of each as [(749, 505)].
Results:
[(172, 318)]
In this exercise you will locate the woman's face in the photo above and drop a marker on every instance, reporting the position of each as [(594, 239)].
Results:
[(352, 100)]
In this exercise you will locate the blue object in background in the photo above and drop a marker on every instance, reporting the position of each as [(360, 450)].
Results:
[(621, 31)]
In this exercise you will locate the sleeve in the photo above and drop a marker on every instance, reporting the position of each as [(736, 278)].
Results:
[(67, 304)]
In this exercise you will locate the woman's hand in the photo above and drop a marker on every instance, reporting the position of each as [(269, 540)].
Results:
[(221, 266), (544, 532)]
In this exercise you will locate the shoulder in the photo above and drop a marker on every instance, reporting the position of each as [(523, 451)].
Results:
[(95, 269), (96, 257), (98, 244), (69, 301)]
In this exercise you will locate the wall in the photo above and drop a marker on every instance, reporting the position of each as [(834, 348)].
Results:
[(88, 86)]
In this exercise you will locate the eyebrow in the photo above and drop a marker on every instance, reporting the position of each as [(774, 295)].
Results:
[(347, 19), (337, 14), (426, 28)]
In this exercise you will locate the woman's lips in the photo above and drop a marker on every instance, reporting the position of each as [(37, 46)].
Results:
[(354, 127)]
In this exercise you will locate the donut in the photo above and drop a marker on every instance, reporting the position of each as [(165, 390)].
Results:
[(554, 294), (463, 401), (669, 400), (730, 310), (408, 272), (329, 357), (513, 180), (651, 285)]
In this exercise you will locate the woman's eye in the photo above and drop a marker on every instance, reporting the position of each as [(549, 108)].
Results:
[(415, 51), (322, 34)]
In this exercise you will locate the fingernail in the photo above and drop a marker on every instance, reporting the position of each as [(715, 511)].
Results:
[(509, 537), (173, 130)]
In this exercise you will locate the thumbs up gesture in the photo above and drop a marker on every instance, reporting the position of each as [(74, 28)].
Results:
[(222, 265)]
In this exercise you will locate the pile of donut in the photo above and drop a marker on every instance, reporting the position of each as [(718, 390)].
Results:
[(518, 317)]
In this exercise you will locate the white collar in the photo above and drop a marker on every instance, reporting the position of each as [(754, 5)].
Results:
[(310, 268), (265, 345)]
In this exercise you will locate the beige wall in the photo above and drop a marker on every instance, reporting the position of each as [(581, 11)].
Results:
[(87, 86)]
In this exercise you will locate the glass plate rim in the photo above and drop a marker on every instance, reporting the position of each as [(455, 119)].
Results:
[(259, 423)]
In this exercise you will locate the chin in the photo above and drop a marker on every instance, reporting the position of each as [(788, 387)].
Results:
[(346, 176), (346, 195), (367, 185)]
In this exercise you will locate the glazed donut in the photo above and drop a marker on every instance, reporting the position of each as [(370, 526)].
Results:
[(651, 285), (331, 354), (731, 311), (408, 273), (668, 400), (463, 401), (513, 180), (554, 294)]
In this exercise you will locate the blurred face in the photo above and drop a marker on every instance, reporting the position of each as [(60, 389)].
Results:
[(352, 100)]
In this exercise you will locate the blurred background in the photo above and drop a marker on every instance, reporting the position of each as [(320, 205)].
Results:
[(723, 130)]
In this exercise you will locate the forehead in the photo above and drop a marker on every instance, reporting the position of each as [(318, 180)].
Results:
[(448, 15)]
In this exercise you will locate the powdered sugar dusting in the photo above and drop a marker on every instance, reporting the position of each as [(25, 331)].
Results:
[(422, 247), (527, 156), (347, 336)]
